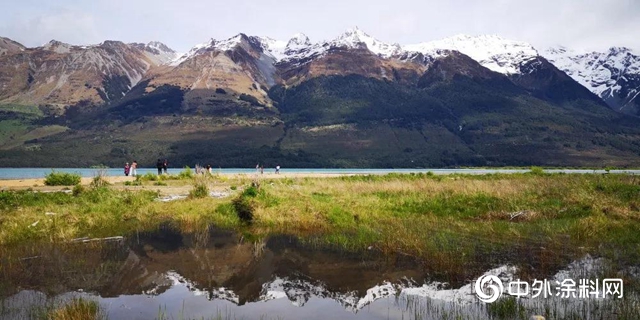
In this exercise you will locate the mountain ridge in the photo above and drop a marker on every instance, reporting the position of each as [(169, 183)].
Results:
[(352, 101), (606, 74)]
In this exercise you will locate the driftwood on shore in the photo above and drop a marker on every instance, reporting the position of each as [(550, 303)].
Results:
[(87, 240)]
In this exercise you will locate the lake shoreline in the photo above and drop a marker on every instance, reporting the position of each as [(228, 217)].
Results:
[(30, 177), (38, 184)]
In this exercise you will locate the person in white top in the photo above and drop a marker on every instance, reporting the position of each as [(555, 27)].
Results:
[(277, 169), (134, 166)]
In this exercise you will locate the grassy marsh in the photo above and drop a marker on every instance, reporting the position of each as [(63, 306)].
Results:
[(451, 221)]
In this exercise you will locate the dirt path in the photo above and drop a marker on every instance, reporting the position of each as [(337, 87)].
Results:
[(118, 181)]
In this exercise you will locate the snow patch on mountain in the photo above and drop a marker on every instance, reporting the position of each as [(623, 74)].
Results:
[(196, 50), (491, 51), (613, 75), (355, 38), (157, 52), (298, 41)]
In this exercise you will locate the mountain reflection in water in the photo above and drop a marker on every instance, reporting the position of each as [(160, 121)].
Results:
[(216, 264)]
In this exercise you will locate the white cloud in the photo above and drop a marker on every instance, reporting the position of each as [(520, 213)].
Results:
[(584, 24), (63, 25)]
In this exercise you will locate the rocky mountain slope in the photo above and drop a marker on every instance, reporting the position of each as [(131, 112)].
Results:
[(8, 46), (60, 75)]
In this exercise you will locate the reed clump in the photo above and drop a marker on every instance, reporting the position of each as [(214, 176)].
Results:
[(77, 309)]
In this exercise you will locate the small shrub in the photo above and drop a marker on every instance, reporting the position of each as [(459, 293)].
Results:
[(147, 177), (538, 171), (159, 183), (78, 190), (251, 192), (200, 190), (187, 173), (62, 179), (234, 188), (99, 182), (133, 183)]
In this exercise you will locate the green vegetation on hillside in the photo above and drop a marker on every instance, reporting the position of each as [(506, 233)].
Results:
[(337, 121)]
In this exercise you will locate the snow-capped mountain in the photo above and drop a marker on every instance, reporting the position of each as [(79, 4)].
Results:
[(299, 46), (356, 38), (252, 64), (613, 75), (491, 51)]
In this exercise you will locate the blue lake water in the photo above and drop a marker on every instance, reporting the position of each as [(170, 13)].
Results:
[(35, 173)]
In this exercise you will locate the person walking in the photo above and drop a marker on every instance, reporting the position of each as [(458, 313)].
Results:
[(159, 165), (261, 170), (126, 169), (134, 168), (165, 166), (278, 169)]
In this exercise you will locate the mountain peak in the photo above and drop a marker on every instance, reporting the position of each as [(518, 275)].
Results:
[(355, 30), (57, 46), (491, 51), (619, 50), (228, 44), (9, 46), (161, 47), (112, 44), (356, 38), (298, 40)]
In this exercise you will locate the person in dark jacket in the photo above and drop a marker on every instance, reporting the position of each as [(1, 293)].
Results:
[(159, 165)]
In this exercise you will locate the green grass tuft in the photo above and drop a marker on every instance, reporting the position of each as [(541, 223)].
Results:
[(61, 179)]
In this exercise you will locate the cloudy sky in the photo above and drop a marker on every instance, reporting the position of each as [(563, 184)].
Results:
[(579, 24)]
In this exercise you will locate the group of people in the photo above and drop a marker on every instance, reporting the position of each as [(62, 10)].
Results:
[(163, 165), (131, 169), (202, 170), (260, 169)]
